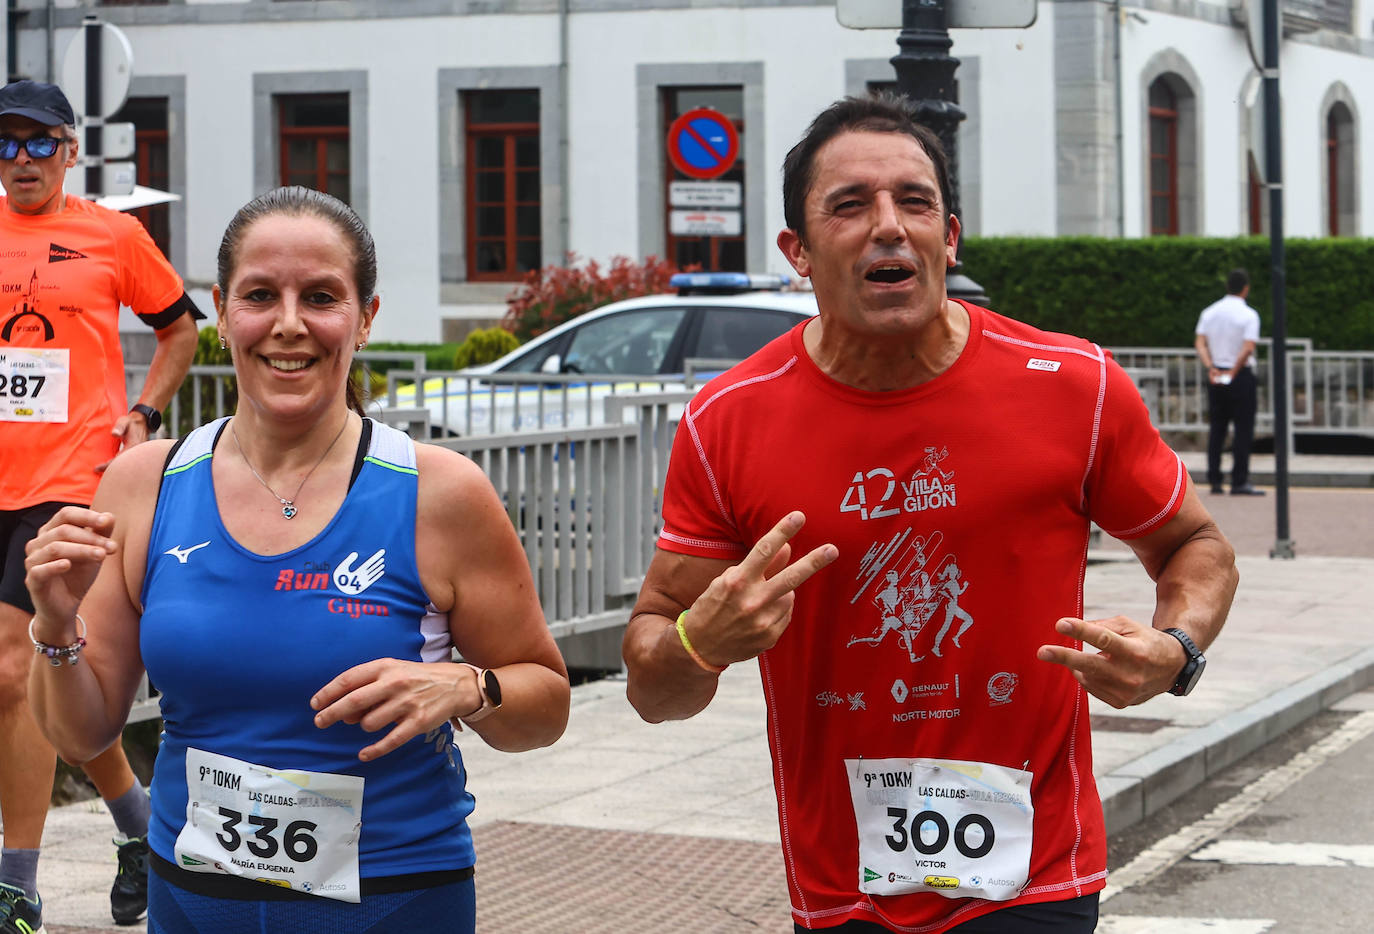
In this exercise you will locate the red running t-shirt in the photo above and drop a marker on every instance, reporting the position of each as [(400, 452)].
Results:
[(63, 278), (961, 510)]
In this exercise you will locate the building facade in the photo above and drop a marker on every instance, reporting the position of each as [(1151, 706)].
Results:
[(482, 138)]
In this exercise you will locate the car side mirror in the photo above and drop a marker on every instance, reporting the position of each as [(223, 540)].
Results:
[(553, 363)]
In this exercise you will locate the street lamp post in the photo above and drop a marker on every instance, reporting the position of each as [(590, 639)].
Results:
[(925, 76)]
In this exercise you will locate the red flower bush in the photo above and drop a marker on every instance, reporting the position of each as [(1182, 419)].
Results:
[(547, 297)]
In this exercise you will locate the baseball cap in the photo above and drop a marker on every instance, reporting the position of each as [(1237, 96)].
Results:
[(38, 101)]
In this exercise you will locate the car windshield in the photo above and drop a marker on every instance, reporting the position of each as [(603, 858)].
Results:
[(633, 343)]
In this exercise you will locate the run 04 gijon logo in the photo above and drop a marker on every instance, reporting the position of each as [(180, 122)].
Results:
[(349, 577)]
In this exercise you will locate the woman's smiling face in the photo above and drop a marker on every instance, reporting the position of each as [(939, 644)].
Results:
[(292, 315)]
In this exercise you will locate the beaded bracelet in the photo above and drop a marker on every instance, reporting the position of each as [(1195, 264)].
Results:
[(687, 644), (55, 653)]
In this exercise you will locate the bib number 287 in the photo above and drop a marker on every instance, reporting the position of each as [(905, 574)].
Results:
[(20, 386)]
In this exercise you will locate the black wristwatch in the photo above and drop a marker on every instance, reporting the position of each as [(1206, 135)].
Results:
[(1192, 668), (150, 415)]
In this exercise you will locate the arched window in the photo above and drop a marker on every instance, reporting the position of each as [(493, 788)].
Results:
[(1170, 146), (1340, 171), (1163, 158)]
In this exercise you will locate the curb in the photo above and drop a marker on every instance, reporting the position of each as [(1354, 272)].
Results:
[(1145, 785), (1305, 478)]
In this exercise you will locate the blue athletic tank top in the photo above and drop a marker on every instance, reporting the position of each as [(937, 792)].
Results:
[(239, 642)]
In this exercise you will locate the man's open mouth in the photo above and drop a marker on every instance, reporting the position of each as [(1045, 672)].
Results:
[(889, 273)]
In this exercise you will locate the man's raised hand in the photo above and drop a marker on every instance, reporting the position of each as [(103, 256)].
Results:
[(746, 609), (1132, 664)]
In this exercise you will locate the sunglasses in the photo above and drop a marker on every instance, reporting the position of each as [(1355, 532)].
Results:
[(38, 147)]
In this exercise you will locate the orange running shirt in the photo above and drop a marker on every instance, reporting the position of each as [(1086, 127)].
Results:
[(63, 278)]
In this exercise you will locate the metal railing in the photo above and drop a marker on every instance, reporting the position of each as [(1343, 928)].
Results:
[(1332, 390), (586, 504), (208, 392), (464, 404)]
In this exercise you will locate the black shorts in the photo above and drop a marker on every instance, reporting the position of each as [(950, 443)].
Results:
[(1073, 916), (17, 528)]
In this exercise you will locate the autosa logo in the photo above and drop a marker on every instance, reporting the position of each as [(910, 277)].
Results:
[(880, 492)]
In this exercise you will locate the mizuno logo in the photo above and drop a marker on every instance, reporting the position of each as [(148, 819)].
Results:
[(58, 253), (181, 554)]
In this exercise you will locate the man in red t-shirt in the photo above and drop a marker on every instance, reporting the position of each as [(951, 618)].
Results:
[(67, 267), (911, 583)]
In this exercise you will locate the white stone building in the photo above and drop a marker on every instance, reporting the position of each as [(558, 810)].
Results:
[(480, 137)]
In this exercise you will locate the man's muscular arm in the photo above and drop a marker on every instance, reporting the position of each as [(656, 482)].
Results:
[(1194, 570), (734, 612)]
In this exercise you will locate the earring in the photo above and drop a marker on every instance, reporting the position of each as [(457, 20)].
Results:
[(361, 345), (222, 344)]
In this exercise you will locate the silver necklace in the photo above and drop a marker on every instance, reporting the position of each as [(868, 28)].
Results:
[(288, 506)]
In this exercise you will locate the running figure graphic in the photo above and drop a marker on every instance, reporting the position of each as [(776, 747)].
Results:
[(951, 589), (905, 610), (899, 615), (931, 464)]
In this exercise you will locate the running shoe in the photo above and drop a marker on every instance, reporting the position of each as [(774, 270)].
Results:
[(19, 914), (129, 895)]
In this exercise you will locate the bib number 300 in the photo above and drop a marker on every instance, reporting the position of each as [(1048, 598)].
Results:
[(294, 829), (962, 829)]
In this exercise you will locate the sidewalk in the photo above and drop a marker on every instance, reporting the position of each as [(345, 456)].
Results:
[(1304, 470), (628, 827)]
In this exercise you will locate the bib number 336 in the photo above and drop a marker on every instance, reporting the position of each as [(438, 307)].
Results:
[(294, 829), (962, 829)]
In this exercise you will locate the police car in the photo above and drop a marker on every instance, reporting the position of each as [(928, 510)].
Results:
[(640, 344)]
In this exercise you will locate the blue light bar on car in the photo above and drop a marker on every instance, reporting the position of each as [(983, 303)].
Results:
[(722, 282)]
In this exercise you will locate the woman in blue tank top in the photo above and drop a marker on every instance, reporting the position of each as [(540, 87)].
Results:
[(295, 579)]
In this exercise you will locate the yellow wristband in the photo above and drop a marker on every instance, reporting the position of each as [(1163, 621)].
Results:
[(687, 644)]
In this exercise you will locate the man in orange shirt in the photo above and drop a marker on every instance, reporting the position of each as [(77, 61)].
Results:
[(66, 267)]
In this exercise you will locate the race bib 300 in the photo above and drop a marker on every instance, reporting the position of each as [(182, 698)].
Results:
[(962, 829)]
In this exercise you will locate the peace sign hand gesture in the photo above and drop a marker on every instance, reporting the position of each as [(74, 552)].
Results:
[(746, 609), (1132, 663)]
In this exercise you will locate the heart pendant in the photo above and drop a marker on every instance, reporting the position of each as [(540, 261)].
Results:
[(288, 511)]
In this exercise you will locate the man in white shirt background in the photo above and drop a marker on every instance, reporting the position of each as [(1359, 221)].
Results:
[(1227, 332)]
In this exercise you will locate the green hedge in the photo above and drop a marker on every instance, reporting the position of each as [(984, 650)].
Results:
[(437, 356), (1148, 292)]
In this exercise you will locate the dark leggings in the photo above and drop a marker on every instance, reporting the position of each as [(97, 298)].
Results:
[(449, 908), (1074, 916)]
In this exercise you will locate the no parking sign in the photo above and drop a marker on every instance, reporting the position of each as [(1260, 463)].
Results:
[(702, 143)]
